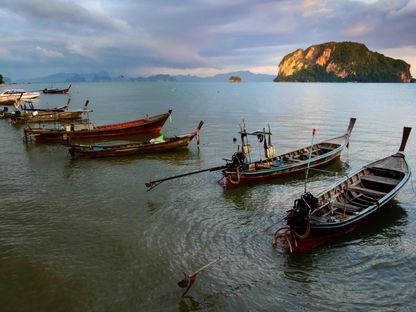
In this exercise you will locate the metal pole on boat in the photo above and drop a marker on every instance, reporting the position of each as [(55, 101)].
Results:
[(309, 158), (244, 139)]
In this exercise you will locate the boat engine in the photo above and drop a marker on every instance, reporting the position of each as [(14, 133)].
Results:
[(237, 159), (302, 207)]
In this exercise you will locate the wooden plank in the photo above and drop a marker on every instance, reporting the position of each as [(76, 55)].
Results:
[(367, 191), (347, 207), (381, 180)]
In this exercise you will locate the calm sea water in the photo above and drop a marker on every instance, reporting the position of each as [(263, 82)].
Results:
[(85, 235)]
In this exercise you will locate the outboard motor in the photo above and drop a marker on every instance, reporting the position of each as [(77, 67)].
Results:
[(238, 159), (302, 207)]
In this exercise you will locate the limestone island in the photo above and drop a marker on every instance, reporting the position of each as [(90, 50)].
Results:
[(341, 62)]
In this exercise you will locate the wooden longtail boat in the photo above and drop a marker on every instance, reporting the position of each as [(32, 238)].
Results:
[(348, 205), (274, 166), (133, 148), (56, 90), (22, 109), (148, 125), (39, 117), (32, 115)]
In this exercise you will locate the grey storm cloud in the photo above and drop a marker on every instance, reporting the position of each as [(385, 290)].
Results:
[(141, 36), (61, 12)]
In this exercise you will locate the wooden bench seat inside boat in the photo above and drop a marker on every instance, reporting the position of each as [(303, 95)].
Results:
[(380, 179), (366, 191), (346, 207)]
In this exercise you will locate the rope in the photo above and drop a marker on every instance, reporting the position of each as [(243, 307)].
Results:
[(238, 177), (230, 252), (292, 231)]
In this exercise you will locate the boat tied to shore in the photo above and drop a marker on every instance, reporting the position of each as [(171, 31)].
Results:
[(159, 144), (80, 131), (240, 169), (346, 206)]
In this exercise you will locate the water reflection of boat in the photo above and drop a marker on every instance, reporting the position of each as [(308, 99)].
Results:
[(349, 204), (80, 131)]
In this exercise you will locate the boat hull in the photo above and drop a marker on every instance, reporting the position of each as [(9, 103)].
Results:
[(47, 117), (55, 91), (319, 236), (9, 100), (234, 178), (97, 151)]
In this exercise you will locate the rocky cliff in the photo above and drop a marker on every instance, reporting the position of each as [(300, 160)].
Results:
[(341, 61)]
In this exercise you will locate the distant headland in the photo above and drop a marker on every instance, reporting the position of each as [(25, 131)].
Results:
[(341, 62), (106, 77)]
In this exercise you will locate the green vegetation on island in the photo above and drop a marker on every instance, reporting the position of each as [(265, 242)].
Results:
[(342, 62), (1, 79), (234, 79)]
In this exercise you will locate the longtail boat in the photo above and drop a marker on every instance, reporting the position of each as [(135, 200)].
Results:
[(56, 90), (32, 115), (274, 166), (159, 144), (239, 169), (346, 206), (22, 109), (40, 117), (148, 125)]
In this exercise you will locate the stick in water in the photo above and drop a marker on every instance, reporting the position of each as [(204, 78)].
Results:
[(309, 158), (190, 279)]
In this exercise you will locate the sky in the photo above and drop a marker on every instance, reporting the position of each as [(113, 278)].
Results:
[(197, 37)]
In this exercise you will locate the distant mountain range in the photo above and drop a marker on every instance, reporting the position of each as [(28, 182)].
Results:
[(246, 76)]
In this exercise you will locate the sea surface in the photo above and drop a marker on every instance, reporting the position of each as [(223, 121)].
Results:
[(86, 235)]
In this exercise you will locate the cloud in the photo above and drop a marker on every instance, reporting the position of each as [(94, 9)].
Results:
[(191, 35), (63, 13), (49, 53)]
